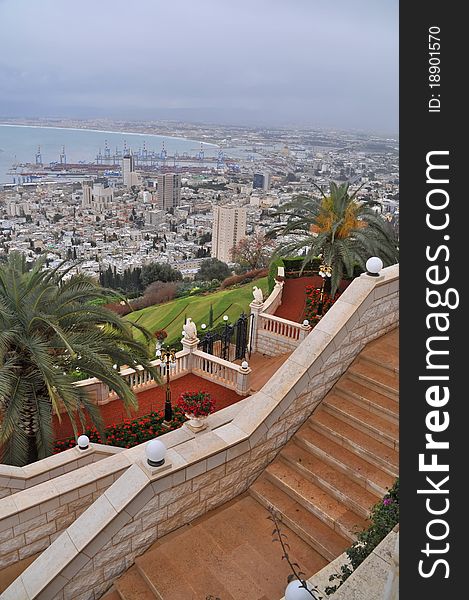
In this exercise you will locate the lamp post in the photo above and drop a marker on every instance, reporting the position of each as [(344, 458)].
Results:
[(325, 271), (168, 361)]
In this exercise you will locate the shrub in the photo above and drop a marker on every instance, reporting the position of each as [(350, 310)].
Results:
[(384, 517), (129, 433), (243, 278)]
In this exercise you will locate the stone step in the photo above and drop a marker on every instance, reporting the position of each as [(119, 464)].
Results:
[(320, 503), (367, 474), (206, 568), (246, 522), (353, 439), (336, 483), (132, 586), (310, 528), (382, 352), (362, 419), (367, 398), (375, 377)]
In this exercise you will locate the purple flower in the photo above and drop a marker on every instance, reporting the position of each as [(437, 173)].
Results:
[(387, 501)]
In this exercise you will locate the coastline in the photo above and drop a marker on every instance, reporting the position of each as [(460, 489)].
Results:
[(157, 135)]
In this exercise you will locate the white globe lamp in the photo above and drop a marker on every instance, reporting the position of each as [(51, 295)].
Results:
[(245, 365), (225, 318), (374, 266), (295, 591), (155, 451), (83, 442), (203, 326), (306, 323)]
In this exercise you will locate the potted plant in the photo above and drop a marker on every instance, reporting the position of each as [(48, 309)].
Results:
[(196, 406), (160, 335)]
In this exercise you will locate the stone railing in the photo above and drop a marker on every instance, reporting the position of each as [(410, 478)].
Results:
[(223, 372), (274, 300), (189, 360), (277, 336), (14, 479), (139, 379), (202, 470), (273, 335)]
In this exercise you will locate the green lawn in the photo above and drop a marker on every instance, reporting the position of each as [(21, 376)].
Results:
[(170, 316)]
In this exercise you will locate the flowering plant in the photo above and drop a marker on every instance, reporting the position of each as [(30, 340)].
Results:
[(314, 301), (198, 404), (160, 334), (127, 434)]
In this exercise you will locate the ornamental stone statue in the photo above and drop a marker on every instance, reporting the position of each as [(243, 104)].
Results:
[(258, 295), (190, 330)]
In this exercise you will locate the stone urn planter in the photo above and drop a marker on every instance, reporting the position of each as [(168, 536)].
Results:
[(197, 406), (196, 424)]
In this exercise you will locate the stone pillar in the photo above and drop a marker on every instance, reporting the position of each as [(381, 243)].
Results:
[(190, 345), (256, 310), (243, 381), (305, 330)]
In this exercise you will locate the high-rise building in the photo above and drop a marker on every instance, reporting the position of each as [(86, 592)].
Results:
[(229, 226), (168, 194), (97, 198), (261, 181), (129, 176)]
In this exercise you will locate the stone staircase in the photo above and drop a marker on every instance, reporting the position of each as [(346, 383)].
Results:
[(323, 484), (263, 367)]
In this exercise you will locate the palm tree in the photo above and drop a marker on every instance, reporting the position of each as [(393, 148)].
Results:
[(50, 327), (338, 228)]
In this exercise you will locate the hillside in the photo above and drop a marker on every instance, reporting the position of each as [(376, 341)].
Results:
[(170, 316)]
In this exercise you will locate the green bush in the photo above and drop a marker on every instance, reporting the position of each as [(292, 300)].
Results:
[(384, 517)]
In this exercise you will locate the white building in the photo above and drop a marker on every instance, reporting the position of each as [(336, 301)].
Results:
[(97, 198), (169, 191), (129, 176), (229, 226)]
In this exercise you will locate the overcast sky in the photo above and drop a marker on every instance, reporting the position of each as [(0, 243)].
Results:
[(255, 62)]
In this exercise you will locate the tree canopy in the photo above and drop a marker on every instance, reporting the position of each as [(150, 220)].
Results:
[(50, 328), (342, 230)]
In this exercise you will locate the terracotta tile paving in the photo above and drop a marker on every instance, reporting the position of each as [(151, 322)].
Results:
[(153, 399), (294, 297)]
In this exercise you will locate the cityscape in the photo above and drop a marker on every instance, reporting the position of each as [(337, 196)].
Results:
[(199, 301), (111, 211)]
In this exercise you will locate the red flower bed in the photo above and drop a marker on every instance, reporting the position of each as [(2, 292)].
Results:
[(199, 404), (313, 303), (129, 433)]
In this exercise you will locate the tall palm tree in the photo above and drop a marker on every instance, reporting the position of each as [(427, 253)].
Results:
[(49, 326), (337, 227)]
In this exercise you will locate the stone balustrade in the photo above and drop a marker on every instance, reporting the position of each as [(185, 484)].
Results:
[(223, 372), (203, 470), (273, 335)]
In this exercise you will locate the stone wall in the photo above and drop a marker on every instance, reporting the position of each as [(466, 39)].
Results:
[(272, 344), (31, 519), (14, 479), (207, 469)]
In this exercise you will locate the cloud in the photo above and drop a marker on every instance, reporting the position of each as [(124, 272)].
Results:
[(301, 61)]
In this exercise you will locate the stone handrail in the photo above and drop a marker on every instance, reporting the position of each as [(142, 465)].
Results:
[(206, 469), (274, 300), (220, 371), (139, 379), (13, 479), (279, 326)]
